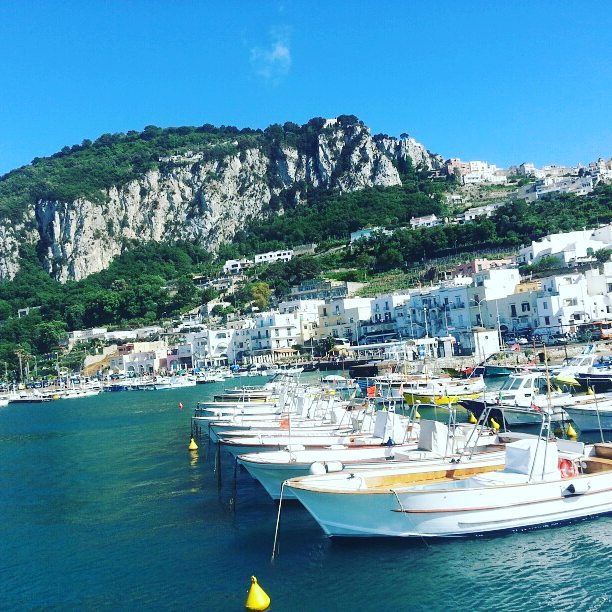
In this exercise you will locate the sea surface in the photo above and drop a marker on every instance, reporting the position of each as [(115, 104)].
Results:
[(103, 507)]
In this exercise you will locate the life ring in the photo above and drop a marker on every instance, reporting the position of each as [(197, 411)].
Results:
[(567, 468)]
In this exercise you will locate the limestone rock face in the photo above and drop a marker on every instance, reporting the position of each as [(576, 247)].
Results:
[(198, 199)]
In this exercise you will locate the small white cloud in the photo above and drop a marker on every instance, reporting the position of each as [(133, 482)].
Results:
[(272, 62)]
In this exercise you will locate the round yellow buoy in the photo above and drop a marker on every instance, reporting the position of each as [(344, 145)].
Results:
[(192, 445), (257, 599), (590, 391), (417, 414), (495, 425), (571, 432), (472, 419)]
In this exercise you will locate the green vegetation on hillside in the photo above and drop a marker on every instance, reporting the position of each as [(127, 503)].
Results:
[(87, 169), (331, 215), (149, 282), (514, 224)]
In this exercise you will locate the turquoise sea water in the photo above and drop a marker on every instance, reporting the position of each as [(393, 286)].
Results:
[(102, 506)]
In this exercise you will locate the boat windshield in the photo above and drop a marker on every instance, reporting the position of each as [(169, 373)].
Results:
[(511, 384)]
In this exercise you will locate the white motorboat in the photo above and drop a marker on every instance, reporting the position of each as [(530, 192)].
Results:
[(387, 427), (441, 390), (594, 414), (437, 443), (78, 393), (173, 382), (30, 396), (4, 401), (538, 486), (526, 390), (592, 369)]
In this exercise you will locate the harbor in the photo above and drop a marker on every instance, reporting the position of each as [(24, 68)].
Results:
[(108, 508)]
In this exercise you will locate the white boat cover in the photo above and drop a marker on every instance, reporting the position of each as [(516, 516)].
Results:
[(389, 425), (433, 437), (533, 457)]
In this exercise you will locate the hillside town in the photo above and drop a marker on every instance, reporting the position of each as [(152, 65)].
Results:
[(481, 295)]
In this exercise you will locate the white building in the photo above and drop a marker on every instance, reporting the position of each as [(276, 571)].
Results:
[(342, 318), (237, 266), (138, 363), (209, 347), (528, 169), (273, 256), (386, 313), (568, 246), (85, 335), (578, 186), (307, 312), (476, 212), (274, 334), (569, 300), (426, 221)]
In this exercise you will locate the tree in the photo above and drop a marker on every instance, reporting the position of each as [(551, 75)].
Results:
[(603, 255), (5, 310), (260, 294), (47, 336)]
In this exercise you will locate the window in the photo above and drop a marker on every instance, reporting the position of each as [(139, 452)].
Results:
[(545, 306), (513, 310), (546, 320), (525, 307)]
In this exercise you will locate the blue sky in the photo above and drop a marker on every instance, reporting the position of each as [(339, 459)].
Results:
[(504, 81)]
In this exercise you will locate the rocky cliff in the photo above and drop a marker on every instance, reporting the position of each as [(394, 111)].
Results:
[(190, 195)]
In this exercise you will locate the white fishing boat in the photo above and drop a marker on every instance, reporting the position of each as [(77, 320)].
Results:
[(437, 443), (592, 369), (335, 382), (543, 482), (4, 401), (78, 393), (208, 378), (531, 391), (29, 396), (592, 414), (388, 427), (441, 390), (173, 382)]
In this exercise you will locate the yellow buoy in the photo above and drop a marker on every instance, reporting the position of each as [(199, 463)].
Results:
[(571, 432), (417, 414), (472, 419), (495, 425), (257, 599), (192, 445), (590, 391)]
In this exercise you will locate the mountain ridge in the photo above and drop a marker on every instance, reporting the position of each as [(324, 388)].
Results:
[(80, 207)]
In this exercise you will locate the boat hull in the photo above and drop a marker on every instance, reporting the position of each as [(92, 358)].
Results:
[(588, 420), (460, 513)]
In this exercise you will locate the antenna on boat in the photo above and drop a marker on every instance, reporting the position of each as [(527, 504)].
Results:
[(597, 411)]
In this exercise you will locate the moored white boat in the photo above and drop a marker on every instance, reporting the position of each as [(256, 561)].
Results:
[(387, 428), (538, 486), (437, 443)]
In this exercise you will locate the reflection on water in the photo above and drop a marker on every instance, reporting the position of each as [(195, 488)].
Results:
[(103, 506)]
